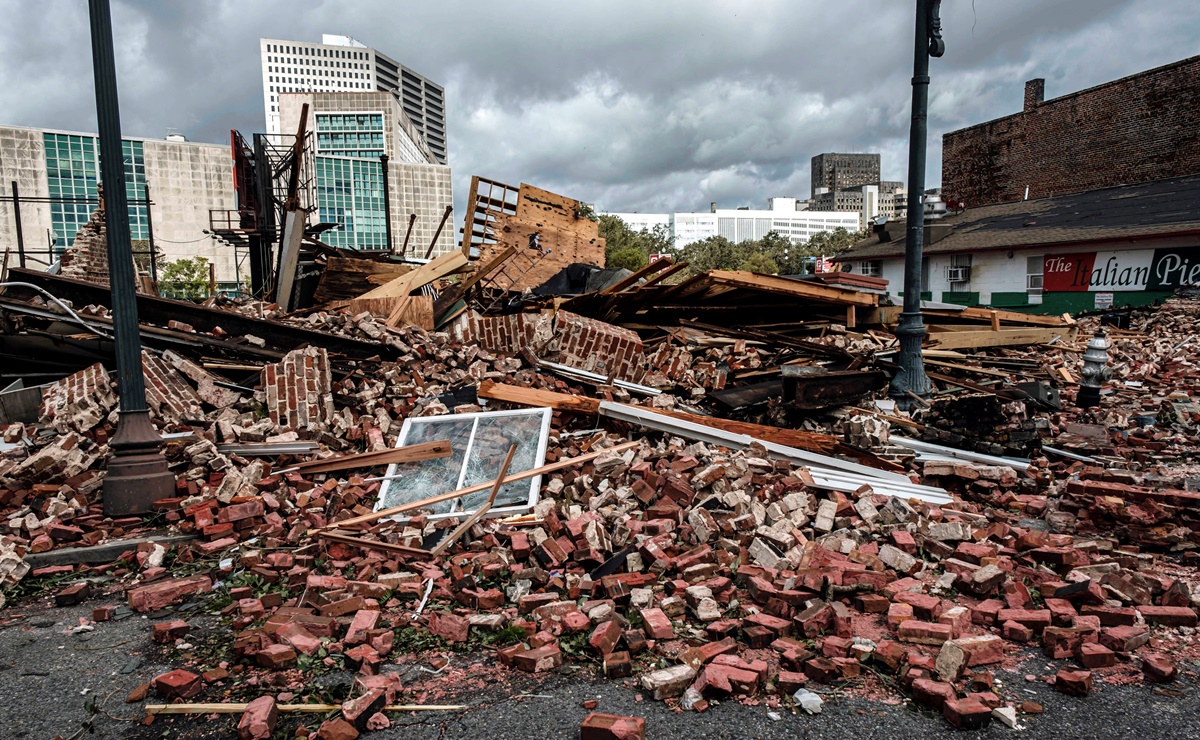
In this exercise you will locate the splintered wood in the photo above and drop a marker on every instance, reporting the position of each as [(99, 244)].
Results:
[(549, 228)]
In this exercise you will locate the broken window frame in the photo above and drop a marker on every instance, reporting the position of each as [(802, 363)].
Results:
[(396, 470)]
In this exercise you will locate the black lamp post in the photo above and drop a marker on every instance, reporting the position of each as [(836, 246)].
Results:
[(137, 473), (910, 376)]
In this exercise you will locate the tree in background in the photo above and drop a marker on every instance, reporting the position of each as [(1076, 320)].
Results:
[(630, 258), (761, 263), (714, 253), (619, 238), (185, 279)]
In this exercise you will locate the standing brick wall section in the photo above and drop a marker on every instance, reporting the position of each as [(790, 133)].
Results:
[(1136, 129), (167, 395), (79, 402), (563, 337), (299, 391)]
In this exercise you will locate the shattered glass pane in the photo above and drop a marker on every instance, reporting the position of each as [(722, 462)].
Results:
[(479, 443), (493, 437), (429, 477)]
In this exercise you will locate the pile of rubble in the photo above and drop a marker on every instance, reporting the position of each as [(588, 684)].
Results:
[(699, 558)]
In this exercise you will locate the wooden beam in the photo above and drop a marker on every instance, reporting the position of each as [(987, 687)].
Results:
[(491, 499), (410, 281), (533, 397), (532, 472), (632, 278), (975, 339), (408, 453), (797, 288), (240, 708), (339, 537), (810, 441), (664, 275), (454, 293)]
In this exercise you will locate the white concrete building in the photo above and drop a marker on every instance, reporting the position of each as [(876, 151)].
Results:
[(784, 216), (341, 64), (61, 169), (644, 221)]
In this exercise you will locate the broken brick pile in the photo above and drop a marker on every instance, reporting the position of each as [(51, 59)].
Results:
[(694, 572)]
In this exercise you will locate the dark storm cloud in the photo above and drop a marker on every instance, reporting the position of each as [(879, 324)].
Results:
[(663, 105)]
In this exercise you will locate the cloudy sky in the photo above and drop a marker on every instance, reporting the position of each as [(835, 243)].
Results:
[(642, 105)]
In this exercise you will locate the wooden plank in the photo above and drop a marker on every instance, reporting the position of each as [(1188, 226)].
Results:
[(410, 281), (810, 441), (472, 204), (413, 310), (531, 473), (975, 339), (967, 368), (664, 275), (366, 544), (631, 279), (240, 708), (344, 278), (534, 397), (798, 288), (408, 453), (487, 505), (455, 293)]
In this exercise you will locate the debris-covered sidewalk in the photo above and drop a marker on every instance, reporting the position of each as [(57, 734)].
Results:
[(372, 520)]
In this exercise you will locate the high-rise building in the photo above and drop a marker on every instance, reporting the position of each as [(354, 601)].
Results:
[(341, 64), (833, 171), (351, 130)]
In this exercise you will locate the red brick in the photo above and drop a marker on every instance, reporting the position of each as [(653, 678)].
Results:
[(258, 721), (1074, 683), (597, 726), (1169, 616), (177, 684), (925, 633)]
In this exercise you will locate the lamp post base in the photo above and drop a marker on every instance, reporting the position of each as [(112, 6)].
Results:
[(910, 368), (137, 472)]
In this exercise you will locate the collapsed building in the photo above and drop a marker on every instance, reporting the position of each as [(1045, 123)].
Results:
[(693, 481), (690, 483)]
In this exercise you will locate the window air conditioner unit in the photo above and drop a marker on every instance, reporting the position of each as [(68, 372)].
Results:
[(958, 274)]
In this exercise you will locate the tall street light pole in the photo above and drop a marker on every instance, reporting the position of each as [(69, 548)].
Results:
[(910, 377), (137, 472)]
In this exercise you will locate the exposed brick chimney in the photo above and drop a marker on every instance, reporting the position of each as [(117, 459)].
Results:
[(1035, 93)]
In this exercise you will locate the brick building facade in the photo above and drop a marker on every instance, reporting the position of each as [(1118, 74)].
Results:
[(1136, 129)]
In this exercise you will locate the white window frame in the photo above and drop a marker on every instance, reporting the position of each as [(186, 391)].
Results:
[(539, 458)]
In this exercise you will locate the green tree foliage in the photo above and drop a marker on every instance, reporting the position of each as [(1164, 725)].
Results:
[(631, 258), (185, 279), (761, 263), (773, 254), (619, 238), (713, 253)]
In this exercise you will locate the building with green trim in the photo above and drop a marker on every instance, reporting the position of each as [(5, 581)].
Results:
[(1129, 245)]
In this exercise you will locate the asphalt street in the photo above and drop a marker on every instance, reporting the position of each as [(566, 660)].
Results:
[(48, 677)]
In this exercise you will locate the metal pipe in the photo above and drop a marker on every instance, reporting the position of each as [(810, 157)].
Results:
[(438, 233), (150, 239), (910, 375), (387, 201), (16, 201)]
